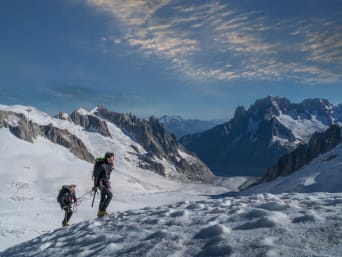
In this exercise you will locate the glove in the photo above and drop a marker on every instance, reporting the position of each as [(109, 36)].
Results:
[(94, 189)]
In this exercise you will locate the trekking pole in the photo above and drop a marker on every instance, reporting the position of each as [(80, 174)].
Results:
[(95, 192)]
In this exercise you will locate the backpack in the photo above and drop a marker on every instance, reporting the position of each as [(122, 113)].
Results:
[(96, 171), (62, 192)]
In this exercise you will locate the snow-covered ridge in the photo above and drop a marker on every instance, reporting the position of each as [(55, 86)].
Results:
[(92, 128)]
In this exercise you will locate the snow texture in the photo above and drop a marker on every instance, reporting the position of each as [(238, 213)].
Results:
[(258, 225)]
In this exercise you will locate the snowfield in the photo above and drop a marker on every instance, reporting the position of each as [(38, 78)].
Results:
[(258, 225), (32, 173)]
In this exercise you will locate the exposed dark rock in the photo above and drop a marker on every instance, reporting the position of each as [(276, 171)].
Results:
[(90, 123), (22, 128), (68, 140), (255, 138), (157, 141), (319, 143), (63, 116), (146, 162), (27, 130)]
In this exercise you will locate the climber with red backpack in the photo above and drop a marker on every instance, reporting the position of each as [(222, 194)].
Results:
[(101, 175)]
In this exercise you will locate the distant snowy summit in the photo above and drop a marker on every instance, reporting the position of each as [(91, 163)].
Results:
[(145, 142), (256, 138), (180, 126)]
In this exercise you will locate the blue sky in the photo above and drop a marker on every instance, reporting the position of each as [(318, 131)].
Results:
[(197, 59)]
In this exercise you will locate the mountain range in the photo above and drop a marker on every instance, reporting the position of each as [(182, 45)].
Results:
[(159, 202), (150, 147), (256, 138), (181, 127)]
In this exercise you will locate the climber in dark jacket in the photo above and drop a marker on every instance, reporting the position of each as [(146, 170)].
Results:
[(102, 181)]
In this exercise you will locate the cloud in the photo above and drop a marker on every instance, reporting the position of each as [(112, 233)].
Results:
[(70, 91), (90, 95), (324, 45), (213, 40)]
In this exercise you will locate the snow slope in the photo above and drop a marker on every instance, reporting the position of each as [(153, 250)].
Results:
[(32, 173), (247, 226), (177, 220)]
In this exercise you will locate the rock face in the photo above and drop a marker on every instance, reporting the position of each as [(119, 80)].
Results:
[(256, 138), (152, 135), (90, 123), (319, 143), (27, 130)]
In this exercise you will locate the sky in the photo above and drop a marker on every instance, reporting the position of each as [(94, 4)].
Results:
[(197, 59)]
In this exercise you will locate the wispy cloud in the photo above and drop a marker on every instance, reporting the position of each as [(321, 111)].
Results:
[(216, 41), (88, 96), (323, 45)]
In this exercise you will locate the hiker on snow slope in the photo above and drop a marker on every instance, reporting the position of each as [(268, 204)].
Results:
[(66, 198), (102, 169)]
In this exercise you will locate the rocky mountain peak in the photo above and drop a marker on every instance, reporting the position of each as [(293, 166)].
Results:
[(254, 139), (240, 113), (63, 116), (157, 141), (268, 107), (316, 103), (90, 122)]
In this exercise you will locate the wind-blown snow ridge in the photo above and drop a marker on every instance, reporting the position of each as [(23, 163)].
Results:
[(258, 225)]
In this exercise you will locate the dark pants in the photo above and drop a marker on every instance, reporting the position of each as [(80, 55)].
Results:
[(67, 214), (106, 197)]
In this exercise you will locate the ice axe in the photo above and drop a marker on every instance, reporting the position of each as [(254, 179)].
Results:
[(95, 192)]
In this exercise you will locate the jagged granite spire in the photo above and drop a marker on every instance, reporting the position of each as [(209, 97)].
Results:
[(255, 138)]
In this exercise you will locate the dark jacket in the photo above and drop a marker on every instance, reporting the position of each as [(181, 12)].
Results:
[(105, 169)]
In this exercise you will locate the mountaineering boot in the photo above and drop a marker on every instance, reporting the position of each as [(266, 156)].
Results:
[(102, 214), (66, 224), (99, 214)]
